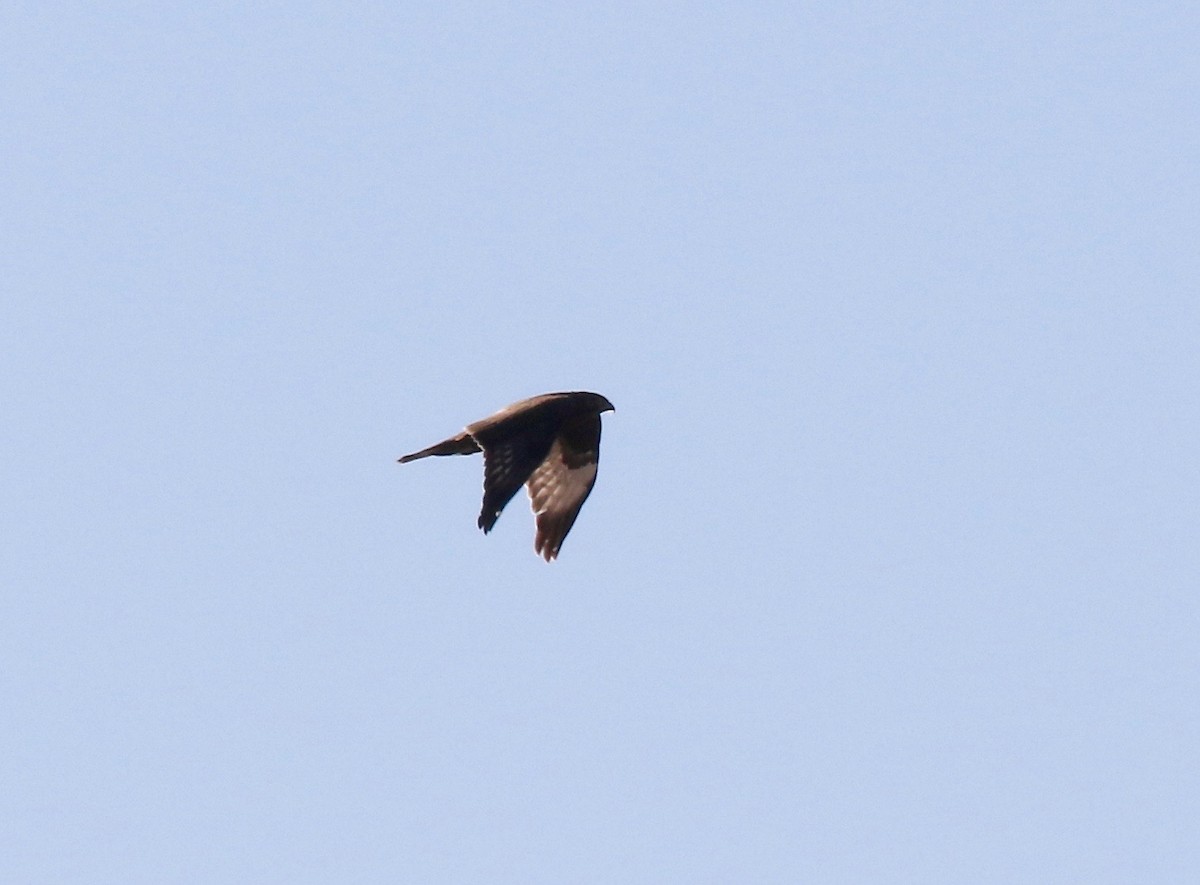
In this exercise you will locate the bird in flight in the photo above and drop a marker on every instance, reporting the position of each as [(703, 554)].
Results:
[(550, 444)]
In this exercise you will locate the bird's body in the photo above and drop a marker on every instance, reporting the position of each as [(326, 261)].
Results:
[(549, 443)]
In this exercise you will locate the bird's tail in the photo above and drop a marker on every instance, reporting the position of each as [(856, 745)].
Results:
[(463, 444)]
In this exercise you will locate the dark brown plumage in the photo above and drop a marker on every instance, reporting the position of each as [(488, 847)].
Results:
[(549, 443)]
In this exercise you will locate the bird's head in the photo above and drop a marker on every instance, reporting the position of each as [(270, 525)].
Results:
[(601, 404)]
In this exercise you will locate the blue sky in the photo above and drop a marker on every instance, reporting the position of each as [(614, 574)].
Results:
[(890, 572)]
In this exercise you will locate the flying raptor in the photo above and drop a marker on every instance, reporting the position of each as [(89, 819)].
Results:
[(548, 443)]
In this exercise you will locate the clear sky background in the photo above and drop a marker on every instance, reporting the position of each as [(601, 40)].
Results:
[(891, 570)]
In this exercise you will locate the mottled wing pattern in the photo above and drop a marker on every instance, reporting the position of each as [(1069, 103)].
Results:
[(507, 464), (562, 481)]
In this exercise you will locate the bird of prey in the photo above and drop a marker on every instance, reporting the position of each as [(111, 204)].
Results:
[(548, 443)]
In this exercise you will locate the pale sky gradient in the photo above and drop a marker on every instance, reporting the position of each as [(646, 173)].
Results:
[(891, 571)]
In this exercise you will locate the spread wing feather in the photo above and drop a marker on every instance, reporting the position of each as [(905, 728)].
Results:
[(562, 482), (556, 493), (507, 464)]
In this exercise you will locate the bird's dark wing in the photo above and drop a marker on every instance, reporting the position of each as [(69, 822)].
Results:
[(508, 461), (563, 480)]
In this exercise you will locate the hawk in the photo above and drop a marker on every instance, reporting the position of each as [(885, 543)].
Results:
[(550, 444)]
